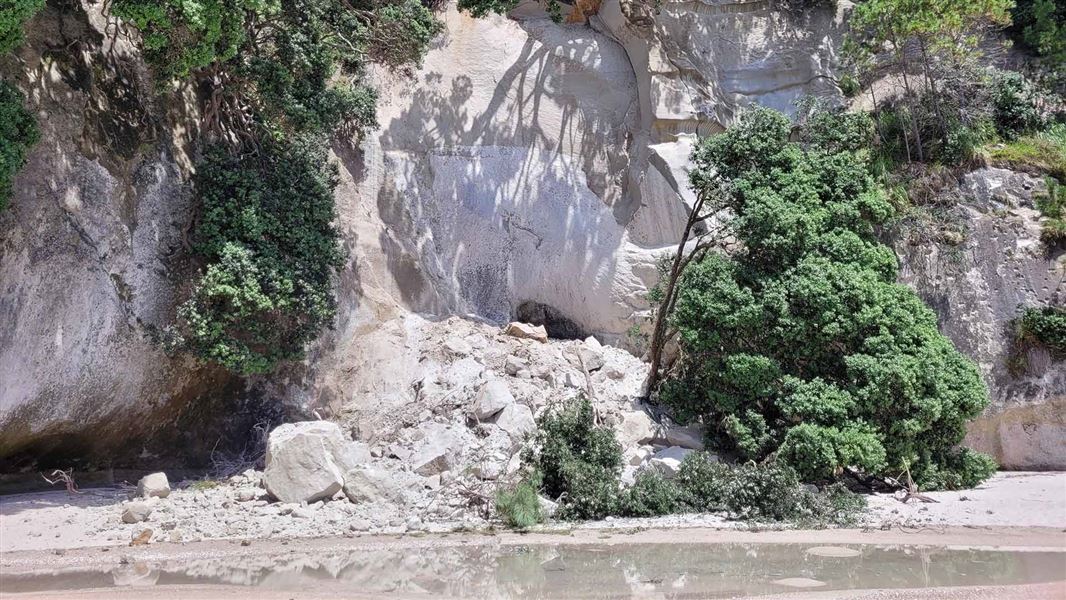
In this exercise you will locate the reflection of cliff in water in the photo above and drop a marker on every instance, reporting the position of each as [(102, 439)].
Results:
[(485, 571)]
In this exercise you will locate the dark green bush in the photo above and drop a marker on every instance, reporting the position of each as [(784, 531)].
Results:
[(281, 79), (651, 495), (1040, 25), (1046, 327), (181, 36), (763, 492), (18, 133), (1015, 104), (579, 462), (13, 14), (271, 248), (802, 343)]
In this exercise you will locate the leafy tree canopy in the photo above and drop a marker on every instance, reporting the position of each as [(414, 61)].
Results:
[(801, 344), (18, 133)]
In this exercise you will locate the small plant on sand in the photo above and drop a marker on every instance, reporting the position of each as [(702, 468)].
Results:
[(519, 506)]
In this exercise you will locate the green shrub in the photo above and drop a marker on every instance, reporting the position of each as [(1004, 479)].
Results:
[(849, 86), (181, 36), (1040, 25), (18, 133), (582, 463), (651, 495), (13, 14), (271, 248), (801, 343), (1015, 106), (1046, 327), (519, 506), (578, 461), (1053, 207), (762, 492)]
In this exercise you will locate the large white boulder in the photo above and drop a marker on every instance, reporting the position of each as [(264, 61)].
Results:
[(154, 485), (307, 461)]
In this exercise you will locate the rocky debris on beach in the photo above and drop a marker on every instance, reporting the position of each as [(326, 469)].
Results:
[(437, 461)]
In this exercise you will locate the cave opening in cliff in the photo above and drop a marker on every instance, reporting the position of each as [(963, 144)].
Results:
[(557, 324)]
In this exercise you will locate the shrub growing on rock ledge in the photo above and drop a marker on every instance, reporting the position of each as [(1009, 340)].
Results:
[(802, 345), (267, 288), (18, 133)]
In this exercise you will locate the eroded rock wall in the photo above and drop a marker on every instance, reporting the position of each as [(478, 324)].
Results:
[(978, 267), (92, 249)]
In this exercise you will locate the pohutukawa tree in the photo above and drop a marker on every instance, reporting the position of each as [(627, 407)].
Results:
[(801, 344)]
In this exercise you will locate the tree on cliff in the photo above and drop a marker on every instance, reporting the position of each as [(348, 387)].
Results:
[(279, 80), (801, 344)]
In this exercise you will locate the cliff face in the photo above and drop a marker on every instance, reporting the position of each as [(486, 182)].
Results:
[(978, 281), (528, 170), (92, 250)]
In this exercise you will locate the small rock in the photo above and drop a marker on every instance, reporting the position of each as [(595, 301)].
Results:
[(247, 495), (137, 511), (637, 456), (590, 352), (635, 428), (303, 512), (493, 397), (614, 372), (513, 365), (668, 460), (517, 420), (574, 380), (457, 346), (413, 523), (547, 507), (686, 437), (372, 484), (153, 486), (526, 331), (359, 525), (141, 538), (487, 471)]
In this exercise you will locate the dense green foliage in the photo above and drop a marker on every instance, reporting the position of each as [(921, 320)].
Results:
[(579, 463), (266, 292), (180, 36), (1046, 327), (18, 133), (13, 14), (1041, 26), (18, 128), (801, 344), (280, 80)]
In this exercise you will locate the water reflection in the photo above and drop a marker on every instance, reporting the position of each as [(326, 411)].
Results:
[(583, 571)]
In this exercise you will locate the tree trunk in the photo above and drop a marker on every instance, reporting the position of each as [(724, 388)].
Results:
[(658, 336)]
